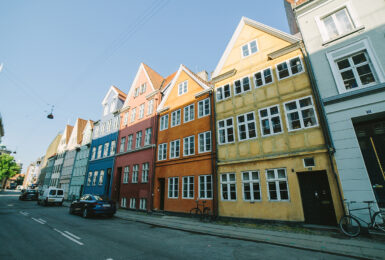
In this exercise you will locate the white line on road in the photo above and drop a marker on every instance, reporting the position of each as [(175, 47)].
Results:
[(72, 235), (38, 221), (67, 236)]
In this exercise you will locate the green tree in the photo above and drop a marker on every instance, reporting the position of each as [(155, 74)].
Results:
[(8, 168)]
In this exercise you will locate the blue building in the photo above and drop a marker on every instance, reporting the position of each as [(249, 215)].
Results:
[(103, 146)]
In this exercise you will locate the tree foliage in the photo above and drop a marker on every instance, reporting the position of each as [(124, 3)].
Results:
[(8, 167)]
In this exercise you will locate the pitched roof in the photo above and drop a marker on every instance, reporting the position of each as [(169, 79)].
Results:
[(155, 78), (246, 21)]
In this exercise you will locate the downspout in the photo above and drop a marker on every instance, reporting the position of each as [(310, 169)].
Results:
[(323, 120), (214, 164)]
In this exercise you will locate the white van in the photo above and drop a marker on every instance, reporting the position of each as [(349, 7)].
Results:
[(51, 196)]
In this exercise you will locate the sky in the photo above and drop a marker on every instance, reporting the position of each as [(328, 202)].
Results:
[(68, 53)]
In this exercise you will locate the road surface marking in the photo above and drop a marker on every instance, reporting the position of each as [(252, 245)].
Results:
[(42, 220), (67, 236), (72, 235), (38, 221)]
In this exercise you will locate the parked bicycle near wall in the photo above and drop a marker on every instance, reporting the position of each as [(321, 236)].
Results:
[(350, 224), (204, 214)]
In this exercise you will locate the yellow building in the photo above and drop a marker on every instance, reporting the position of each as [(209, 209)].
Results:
[(273, 163)]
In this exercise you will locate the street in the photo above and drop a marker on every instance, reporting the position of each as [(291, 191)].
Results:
[(30, 231)]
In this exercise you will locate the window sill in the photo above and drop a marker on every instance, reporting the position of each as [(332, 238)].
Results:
[(325, 43)]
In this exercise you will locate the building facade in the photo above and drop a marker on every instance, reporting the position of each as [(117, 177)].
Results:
[(273, 162), (344, 40), (134, 163)]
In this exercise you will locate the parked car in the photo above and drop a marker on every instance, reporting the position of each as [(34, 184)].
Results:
[(89, 205), (29, 195), (51, 196)]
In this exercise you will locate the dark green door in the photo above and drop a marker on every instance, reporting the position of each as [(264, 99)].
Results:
[(316, 198), (371, 137)]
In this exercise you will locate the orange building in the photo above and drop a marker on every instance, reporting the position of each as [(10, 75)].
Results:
[(185, 159)]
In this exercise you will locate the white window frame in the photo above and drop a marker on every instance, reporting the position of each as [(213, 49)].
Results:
[(145, 172), (263, 78), (299, 110), (190, 115), (202, 108), (182, 88), (269, 118), (221, 90), (173, 188), (141, 111), (289, 68), (135, 173), (249, 48), (228, 184), (147, 136), (126, 174), (138, 139), (188, 180), (242, 85), (276, 180), (251, 182), (162, 152), (163, 122), (187, 142), (204, 135), (175, 149), (176, 118), (246, 124), (205, 189), (225, 128)]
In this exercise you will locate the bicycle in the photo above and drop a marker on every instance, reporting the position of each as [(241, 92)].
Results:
[(204, 215), (350, 224)]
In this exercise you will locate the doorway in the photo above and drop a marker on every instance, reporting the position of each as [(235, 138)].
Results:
[(371, 138), (161, 191), (316, 197)]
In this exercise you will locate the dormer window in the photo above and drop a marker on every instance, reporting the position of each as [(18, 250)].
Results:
[(182, 88), (249, 48)]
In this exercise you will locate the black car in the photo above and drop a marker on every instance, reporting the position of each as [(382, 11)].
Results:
[(90, 204), (28, 195)]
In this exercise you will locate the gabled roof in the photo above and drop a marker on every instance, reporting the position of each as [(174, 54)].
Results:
[(168, 90), (121, 94), (153, 78), (246, 21)]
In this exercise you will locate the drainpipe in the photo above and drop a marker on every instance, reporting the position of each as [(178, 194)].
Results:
[(214, 164), (323, 120)]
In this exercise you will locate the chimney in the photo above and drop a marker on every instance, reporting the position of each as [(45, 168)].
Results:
[(203, 75)]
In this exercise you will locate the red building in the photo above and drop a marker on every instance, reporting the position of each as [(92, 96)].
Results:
[(134, 163)]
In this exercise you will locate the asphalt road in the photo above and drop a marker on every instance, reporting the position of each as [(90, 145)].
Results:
[(29, 231)]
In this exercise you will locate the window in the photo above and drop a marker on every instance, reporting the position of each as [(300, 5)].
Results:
[(174, 149), (270, 120), (122, 144), (300, 114), (162, 152), (106, 146), (204, 108), (142, 204), (189, 145), (189, 113), (89, 178), (132, 203), (182, 88), (143, 88), (289, 68), (204, 140), (136, 92), (147, 136), (138, 141), (249, 48), (164, 122), (123, 203), (145, 169), (223, 92), (226, 131), (251, 187), (100, 151), (125, 119), (263, 77), (126, 174), (133, 114), (93, 153), (150, 108), (101, 177), (129, 142), (113, 147), (188, 187), (95, 178), (241, 85), (246, 126), (356, 71), (277, 184), (141, 111), (205, 187), (173, 187), (337, 23), (228, 186), (175, 118), (135, 172)]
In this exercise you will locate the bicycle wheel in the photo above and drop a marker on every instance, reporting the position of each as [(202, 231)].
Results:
[(350, 226), (379, 220), (195, 212), (207, 214)]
